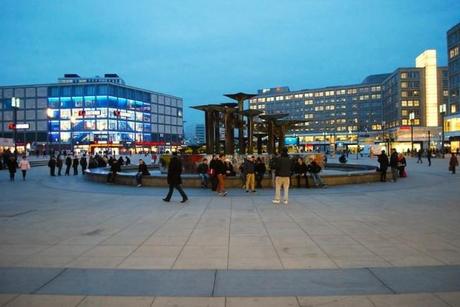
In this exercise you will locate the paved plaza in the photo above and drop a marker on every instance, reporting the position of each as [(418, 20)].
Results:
[(68, 242)]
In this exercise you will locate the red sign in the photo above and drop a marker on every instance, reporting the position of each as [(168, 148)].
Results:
[(81, 113), (11, 126), (116, 113), (404, 128)]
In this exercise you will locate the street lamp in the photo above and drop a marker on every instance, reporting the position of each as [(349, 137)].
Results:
[(15, 104), (442, 110), (411, 118)]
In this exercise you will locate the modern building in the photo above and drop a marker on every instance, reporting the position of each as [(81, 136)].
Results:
[(89, 113), (452, 111), (200, 136), (376, 111)]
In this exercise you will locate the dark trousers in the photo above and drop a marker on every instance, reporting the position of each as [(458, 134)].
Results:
[(213, 180), (67, 170), (259, 178), (52, 170), (299, 179), (111, 176), (453, 169), (75, 170), (12, 176), (139, 178), (178, 187), (24, 172), (59, 170), (383, 175)]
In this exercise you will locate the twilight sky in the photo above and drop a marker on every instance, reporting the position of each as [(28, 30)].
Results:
[(201, 49)]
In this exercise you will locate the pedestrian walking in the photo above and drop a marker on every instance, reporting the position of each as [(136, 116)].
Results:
[(142, 171), (174, 178), (283, 166), (213, 172), (12, 165), (453, 163), (383, 166), (428, 156), (221, 170), (24, 165), (83, 163), (249, 171), (394, 164), (52, 165), (59, 163), (419, 156), (68, 164), (272, 166), (260, 172), (203, 170), (75, 163)]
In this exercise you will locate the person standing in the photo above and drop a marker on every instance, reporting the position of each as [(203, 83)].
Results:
[(419, 156), (249, 170), (24, 165), (68, 164), (428, 156), (174, 178), (260, 172), (272, 166), (52, 165), (394, 164), (83, 163), (212, 172), (283, 176), (75, 163), (202, 170), (59, 163), (221, 170), (12, 165), (453, 163), (402, 165), (142, 171), (383, 161)]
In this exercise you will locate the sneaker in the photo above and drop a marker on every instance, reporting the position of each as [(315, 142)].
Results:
[(166, 200), (247, 191), (184, 200), (253, 191), (224, 194), (275, 201), (139, 185), (285, 202)]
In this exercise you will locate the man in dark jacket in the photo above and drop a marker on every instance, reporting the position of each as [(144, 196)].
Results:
[(213, 174), (383, 161), (52, 165), (174, 178), (260, 171), (75, 163), (142, 171), (221, 171), (300, 170), (68, 164), (394, 164), (283, 176), (12, 165), (83, 164), (59, 163), (202, 170), (114, 169)]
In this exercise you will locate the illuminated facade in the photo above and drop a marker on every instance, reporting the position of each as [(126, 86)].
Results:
[(452, 120), (100, 110), (370, 112)]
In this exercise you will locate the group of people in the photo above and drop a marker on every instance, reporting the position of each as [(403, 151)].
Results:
[(396, 162), (12, 165)]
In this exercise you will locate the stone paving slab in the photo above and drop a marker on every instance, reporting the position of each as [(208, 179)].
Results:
[(297, 282), (132, 282), (420, 279), (230, 283)]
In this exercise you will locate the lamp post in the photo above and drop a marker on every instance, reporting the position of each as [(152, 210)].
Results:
[(442, 110), (411, 118), (15, 104), (73, 120)]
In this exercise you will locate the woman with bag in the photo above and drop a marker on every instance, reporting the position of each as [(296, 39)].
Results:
[(402, 165)]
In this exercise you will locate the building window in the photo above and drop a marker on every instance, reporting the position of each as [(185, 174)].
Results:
[(403, 84), (453, 108), (403, 75)]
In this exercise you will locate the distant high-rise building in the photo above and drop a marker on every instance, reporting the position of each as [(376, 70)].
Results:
[(200, 136), (452, 120), (373, 111)]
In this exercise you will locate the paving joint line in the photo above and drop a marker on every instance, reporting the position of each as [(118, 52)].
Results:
[(381, 281), (49, 281), (214, 283), (193, 230)]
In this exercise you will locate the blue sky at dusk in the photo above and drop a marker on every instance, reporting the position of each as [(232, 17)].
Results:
[(201, 49)]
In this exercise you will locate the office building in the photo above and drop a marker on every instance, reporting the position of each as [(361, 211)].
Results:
[(200, 136), (375, 111), (91, 113), (452, 111)]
